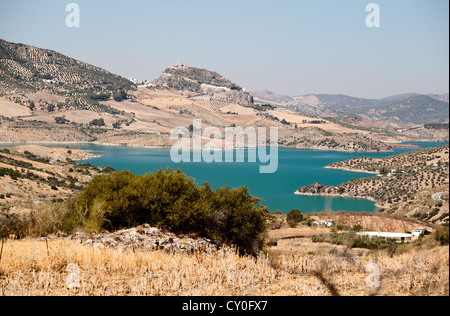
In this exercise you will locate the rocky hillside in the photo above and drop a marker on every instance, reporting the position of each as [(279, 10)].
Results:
[(26, 69), (416, 159), (145, 238), (317, 138), (202, 82), (39, 173)]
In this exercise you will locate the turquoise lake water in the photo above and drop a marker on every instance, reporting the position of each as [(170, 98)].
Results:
[(297, 168)]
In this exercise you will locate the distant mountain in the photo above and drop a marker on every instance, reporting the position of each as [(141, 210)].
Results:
[(202, 82), (420, 109), (336, 102), (440, 97), (398, 97), (271, 97), (28, 69), (340, 102), (411, 108)]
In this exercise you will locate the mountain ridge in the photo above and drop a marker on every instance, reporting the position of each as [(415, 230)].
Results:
[(420, 109), (339, 104)]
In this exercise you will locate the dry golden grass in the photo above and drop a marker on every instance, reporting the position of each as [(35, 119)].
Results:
[(11, 109), (297, 231), (373, 222), (30, 268)]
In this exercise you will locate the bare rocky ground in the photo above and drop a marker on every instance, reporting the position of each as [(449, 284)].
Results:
[(144, 238)]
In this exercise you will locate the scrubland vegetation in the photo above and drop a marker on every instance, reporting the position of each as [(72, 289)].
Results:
[(166, 199)]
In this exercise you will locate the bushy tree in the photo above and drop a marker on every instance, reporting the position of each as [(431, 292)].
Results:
[(32, 106), (171, 200), (97, 122), (294, 217), (119, 95), (103, 96), (442, 236), (51, 108), (236, 217)]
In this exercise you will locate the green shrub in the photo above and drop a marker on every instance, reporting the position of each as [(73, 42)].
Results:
[(353, 241), (171, 200), (119, 95), (17, 226), (374, 242), (97, 122), (442, 236), (294, 217), (10, 172), (334, 238), (66, 216), (235, 217)]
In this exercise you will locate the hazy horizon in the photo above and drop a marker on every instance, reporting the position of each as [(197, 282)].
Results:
[(287, 47), (355, 96)]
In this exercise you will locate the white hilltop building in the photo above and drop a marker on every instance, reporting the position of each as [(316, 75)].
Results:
[(135, 81), (140, 83), (145, 84)]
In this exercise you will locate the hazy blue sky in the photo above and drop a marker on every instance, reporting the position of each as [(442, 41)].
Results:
[(287, 46)]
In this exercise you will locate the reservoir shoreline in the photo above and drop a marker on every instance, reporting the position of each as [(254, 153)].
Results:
[(298, 168)]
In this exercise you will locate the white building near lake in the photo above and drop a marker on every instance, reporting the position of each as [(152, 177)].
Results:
[(417, 232), (397, 236), (324, 223)]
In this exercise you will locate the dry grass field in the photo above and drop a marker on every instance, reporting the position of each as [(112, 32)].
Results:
[(374, 222), (11, 109), (33, 268), (54, 153)]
